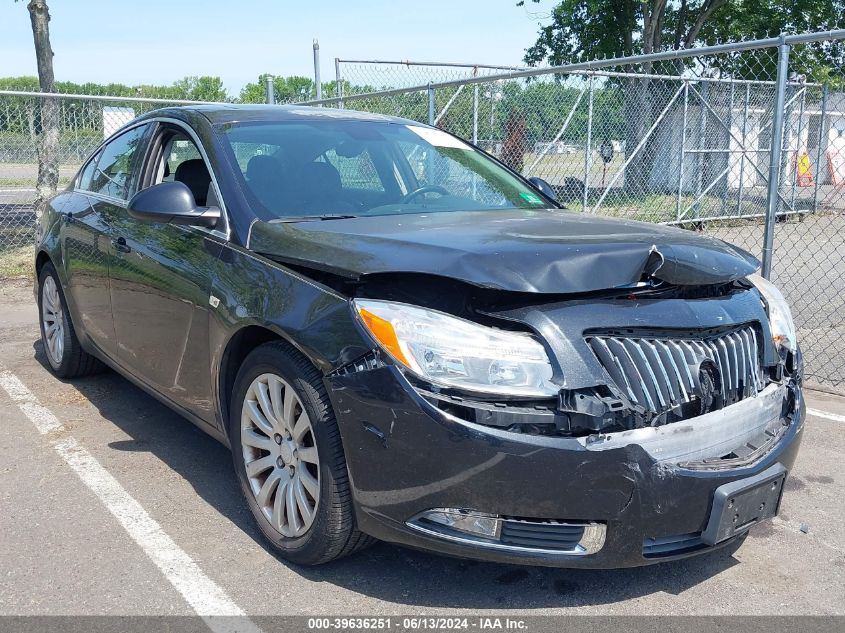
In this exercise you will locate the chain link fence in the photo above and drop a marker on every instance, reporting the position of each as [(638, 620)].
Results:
[(83, 122), (355, 76), (732, 141)]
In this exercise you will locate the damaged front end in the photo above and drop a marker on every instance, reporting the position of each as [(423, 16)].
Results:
[(596, 427), (666, 396), (705, 371)]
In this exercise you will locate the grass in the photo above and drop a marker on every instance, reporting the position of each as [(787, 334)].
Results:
[(16, 262), (556, 167), (28, 182)]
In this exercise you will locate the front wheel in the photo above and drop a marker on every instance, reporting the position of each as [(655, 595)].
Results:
[(289, 458)]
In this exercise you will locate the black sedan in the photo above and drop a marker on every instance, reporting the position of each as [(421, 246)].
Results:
[(401, 339)]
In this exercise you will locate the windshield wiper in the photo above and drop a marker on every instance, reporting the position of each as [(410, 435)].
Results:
[(311, 218)]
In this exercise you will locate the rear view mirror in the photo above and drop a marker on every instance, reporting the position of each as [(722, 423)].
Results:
[(171, 203), (545, 188)]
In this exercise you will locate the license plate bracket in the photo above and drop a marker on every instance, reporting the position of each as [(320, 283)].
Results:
[(740, 504)]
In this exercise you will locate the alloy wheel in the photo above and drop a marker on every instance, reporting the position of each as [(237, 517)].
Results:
[(280, 455), (52, 321)]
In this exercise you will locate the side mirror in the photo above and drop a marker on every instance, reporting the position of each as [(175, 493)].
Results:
[(544, 187), (171, 203)]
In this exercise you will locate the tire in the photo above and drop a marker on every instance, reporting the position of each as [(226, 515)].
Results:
[(288, 462), (64, 354)]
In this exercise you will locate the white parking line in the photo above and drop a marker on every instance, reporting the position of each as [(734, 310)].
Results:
[(204, 596), (39, 415), (824, 414)]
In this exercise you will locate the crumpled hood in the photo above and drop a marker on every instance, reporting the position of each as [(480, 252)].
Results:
[(542, 251)]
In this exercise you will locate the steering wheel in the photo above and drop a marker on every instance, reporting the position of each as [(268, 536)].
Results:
[(423, 190)]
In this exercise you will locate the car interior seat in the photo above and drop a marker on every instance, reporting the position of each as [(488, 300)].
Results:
[(266, 180), (320, 189), (194, 174)]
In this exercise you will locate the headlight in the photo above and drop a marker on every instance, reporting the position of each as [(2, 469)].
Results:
[(780, 317), (453, 352)]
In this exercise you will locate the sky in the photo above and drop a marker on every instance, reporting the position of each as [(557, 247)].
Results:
[(160, 41)]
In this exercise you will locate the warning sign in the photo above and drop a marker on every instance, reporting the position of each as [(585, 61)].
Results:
[(805, 174)]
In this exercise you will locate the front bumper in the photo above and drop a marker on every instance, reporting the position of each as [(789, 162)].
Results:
[(405, 456)]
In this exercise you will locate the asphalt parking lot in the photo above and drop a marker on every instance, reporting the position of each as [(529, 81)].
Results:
[(112, 504)]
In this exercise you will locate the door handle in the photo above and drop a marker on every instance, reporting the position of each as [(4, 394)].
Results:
[(120, 245)]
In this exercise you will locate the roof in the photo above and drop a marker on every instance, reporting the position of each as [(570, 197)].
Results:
[(235, 112)]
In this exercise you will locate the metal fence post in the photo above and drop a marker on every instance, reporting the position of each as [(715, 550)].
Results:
[(820, 149), (270, 95), (432, 114), (702, 141), (588, 151), (744, 150), (338, 82), (683, 151), (772, 201), (728, 154), (317, 82), (475, 114)]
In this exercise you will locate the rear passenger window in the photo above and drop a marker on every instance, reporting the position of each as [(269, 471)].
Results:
[(113, 176), (88, 173)]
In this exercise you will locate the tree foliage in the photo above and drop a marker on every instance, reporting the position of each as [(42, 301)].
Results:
[(581, 30), (203, 88), (285, 89), (192, 88)]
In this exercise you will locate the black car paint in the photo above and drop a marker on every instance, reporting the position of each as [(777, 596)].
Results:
[(158, 281), (517, 475), (517, 250)]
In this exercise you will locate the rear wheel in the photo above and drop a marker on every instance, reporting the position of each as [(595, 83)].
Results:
[(289, 458), (65, 355)]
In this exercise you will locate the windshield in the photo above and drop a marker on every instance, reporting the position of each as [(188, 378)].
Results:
[(330, 168)]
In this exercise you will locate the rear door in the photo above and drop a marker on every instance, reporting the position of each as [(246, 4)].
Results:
[(161, 280), (101, 191)]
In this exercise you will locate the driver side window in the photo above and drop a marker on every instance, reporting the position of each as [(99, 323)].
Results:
[(112, 176)]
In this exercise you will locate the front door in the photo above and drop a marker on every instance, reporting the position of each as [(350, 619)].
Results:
[(103, 187), (161, 281)]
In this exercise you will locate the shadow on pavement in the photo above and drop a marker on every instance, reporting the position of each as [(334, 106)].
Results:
[(385, 572)]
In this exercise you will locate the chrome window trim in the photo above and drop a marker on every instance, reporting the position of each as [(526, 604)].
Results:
[(224, 213), (127, 128), (223, 234), (119, 202)]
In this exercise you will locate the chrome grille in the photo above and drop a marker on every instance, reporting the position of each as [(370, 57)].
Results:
[(659, 374)]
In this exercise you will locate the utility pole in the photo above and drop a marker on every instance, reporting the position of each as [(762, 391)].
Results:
[(317, 71)]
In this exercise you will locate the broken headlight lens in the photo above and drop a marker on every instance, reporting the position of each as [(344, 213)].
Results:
[(453, 352), (780, 316)]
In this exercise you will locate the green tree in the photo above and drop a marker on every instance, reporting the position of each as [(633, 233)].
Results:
[(289, 89), (203, 88), (581, 30), (254, 92), (591, 29), (756, 19)]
